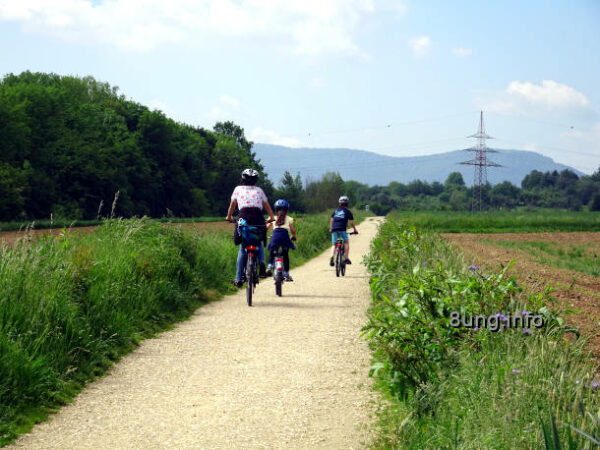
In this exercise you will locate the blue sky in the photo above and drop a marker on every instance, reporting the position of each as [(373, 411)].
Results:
[(394, 77)]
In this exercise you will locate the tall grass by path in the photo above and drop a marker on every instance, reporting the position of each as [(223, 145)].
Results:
[(70, 306), (500, 221), (453, 387), (66, 223)]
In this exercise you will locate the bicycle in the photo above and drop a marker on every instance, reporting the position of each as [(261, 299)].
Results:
[(251, 241), (278, 271), (340, 258)]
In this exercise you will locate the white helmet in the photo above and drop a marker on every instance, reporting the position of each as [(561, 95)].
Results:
[(250, 176), (344, 200)]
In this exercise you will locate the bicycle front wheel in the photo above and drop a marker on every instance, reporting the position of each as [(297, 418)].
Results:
[(250, 274)]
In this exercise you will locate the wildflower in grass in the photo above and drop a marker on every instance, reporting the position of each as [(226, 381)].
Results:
[(595, 385), (502, 317), (525, 312), (516, 371), (526, 331), (474, 267), (577, 381)]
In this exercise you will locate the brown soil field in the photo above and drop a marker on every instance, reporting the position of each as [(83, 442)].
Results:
[(10, 237), (575, 290)]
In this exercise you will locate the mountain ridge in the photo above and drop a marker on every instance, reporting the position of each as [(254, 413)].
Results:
[(376, 169)]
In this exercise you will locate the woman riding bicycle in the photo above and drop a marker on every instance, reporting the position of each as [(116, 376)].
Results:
[(250, 200), (281, 238)]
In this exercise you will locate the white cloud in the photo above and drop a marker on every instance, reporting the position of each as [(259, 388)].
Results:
[(550, 94), (227, 108), (420, 46), (462, 51), (397, 6), (228, 100), (218, 113), (264, 136), (528, 98), (309, 27)]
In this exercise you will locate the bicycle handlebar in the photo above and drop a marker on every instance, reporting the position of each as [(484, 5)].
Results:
[(267, 222)]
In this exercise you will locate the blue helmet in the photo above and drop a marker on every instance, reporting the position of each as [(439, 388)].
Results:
[(281, 204)]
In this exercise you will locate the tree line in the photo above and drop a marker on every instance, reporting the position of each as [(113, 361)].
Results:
[(564, 190), (68, 145), (77, 149)]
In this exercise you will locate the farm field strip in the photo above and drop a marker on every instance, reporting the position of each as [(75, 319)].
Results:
[(578, 257), (577, 291)]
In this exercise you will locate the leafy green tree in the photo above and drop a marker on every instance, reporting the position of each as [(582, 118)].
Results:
[(324, 194), (595, 203), (458, 200), (291, 189), (69, 144), (455, 180), (504, 194)]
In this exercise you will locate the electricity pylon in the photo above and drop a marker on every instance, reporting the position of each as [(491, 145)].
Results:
[(481, 164)]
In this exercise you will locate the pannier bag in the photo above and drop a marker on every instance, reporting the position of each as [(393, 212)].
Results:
[(251, 235)]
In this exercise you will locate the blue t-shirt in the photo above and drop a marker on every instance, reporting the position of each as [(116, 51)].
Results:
[(341, 216)]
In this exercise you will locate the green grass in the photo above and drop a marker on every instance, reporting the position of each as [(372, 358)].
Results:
[(576, 257), (63, 223), (448, 387), (71, 306), (500, 221)]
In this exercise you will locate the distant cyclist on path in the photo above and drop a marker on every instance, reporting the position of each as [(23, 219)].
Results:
[(337, 227)]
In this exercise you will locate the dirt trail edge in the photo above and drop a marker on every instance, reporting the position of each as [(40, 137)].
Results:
[(290, 372)]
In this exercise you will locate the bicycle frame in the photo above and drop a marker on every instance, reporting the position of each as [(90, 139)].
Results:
[(251, 266), (340, 259), (340, 256)]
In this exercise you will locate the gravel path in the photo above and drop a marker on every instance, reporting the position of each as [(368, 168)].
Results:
[(289, 372)]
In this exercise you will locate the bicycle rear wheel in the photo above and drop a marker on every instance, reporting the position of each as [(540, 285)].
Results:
[(278, 284), (250, 281), (343, 265), (338, 263)]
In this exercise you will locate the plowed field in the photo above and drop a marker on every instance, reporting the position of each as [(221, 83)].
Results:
[(574, 289)]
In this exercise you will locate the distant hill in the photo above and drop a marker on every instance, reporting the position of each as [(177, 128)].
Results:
[(374, 169)]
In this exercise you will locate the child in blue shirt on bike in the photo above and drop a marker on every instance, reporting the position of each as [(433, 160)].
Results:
[(283, 226), (337, 227)]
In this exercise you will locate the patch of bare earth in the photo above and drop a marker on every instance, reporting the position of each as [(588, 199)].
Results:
[(574, 290)]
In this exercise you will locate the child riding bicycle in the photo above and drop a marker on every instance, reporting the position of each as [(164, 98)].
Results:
[(250, 200), (337, 227), (281, 228)]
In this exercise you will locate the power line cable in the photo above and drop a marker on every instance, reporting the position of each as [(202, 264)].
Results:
[(386, 126)]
